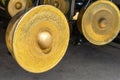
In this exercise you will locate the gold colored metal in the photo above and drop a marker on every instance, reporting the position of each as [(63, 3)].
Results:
[(39, 39), (101, 22), (45, 40), (18, 5), (15, 6), (103, 0), (10, 32), (63, 5)]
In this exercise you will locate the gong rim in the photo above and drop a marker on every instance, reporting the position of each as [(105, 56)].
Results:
[(100, 22), (41, 60), (10, 32)]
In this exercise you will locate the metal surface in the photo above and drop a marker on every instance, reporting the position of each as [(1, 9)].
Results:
[(39, 39), (15, 6), (10, 32), (63, 5), (100, 22)]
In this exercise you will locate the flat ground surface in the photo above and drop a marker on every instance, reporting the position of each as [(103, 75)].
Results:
[(85, 62)]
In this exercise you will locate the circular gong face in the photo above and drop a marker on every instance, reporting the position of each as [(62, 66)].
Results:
[(63, 5), (40, 39), (15, 6), (101, 22)]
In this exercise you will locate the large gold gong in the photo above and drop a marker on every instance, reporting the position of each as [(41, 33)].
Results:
[(15, 6), (63, 5), (39, 38), (101, 22)]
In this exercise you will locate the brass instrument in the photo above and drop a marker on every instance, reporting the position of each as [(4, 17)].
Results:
[(63, 5), (38, 31), (100, 22), (15, 6), (37, 43)]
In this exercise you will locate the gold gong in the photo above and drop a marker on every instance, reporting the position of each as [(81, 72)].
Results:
[(15, 6), (40, 38), (101, 22), (63, 5), (103, 0)]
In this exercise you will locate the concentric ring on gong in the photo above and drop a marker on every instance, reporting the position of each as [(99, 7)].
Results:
[(101, 22), (15, 6), (40, 39), (63, 5)]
